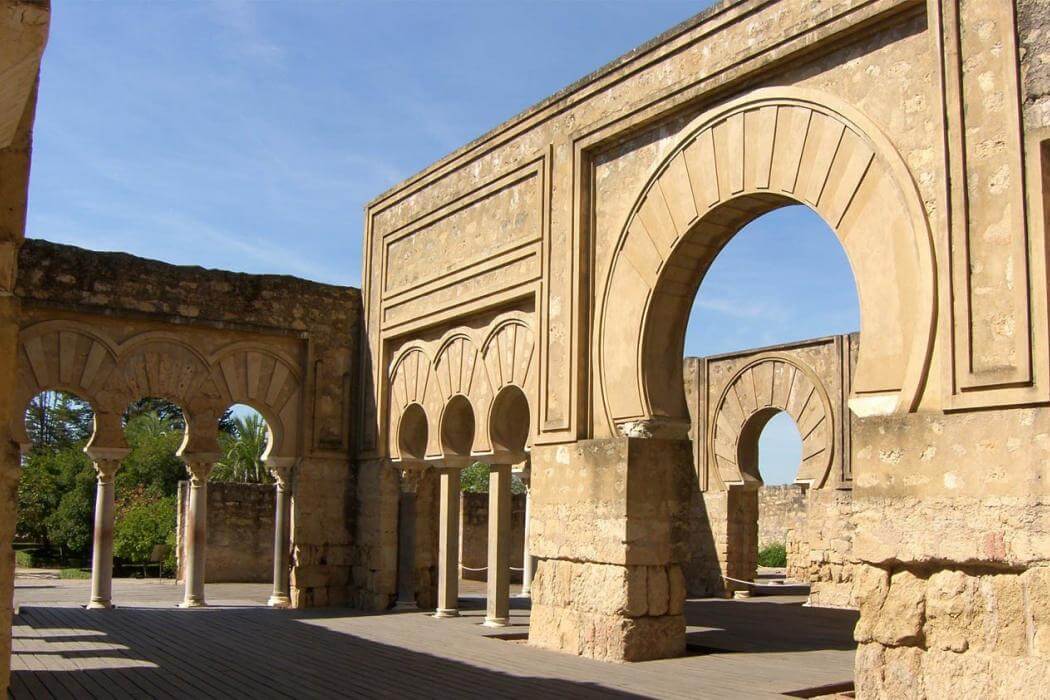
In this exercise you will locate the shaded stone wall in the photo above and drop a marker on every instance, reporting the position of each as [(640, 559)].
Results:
[(24, 26), (205, 339), (474, 535), (240, 532)]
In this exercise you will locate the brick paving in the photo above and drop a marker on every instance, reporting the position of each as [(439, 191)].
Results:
[(757, 648)]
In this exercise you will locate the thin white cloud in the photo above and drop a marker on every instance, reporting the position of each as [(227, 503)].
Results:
[(239, 16)]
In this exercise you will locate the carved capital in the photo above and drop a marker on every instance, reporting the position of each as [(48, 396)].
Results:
[(282, 475), (106, 469), (199, 471), (410, 480)]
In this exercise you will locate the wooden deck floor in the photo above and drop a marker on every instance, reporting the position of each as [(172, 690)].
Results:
[(740, 649)]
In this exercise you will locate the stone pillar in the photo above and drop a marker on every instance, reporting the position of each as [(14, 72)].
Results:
[(282, 474), (527, 562), (497, 609), (448, 545), (102, 550), (196, 533), (406, 540), (609, 519), (741, 561)]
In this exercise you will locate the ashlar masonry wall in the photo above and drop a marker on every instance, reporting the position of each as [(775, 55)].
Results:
[(114, 328), (240, 532)]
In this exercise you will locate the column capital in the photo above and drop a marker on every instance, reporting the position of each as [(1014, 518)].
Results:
[(199, 470), (410, 480), (281, 469), (106, 469)]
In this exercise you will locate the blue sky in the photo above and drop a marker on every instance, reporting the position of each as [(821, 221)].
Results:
[(249, 136)]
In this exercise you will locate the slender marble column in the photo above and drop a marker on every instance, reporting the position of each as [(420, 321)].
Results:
[(406, 540), (527, 562), (102, 551), (282, 474), (448, 545), (497, 611), (196, 534)]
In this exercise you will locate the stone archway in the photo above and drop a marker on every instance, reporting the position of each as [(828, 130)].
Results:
[(771, 148), (757, 392)]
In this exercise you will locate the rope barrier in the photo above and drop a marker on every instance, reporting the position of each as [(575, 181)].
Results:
[(485, 568), (771, 584)]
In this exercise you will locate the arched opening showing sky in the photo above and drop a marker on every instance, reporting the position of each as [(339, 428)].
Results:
[(783, 277)]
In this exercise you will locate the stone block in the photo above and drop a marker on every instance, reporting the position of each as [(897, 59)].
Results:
[(900, 620), (1037, 587)]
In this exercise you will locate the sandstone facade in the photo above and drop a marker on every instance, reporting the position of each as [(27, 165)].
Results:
[(526, 297), (918, 131)]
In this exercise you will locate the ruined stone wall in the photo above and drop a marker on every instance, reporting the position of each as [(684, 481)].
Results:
[(240, 532), (781, 509), (474, 535), (205, 339), (820, 551)]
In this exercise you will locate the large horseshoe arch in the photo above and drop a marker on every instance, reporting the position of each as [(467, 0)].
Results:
[(774, 147)]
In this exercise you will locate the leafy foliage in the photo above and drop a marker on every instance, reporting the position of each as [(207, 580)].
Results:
[(162, 408), (152, 463), (55, 419), (143, 521), (242, 450), (475, 479), (56, 493), (773, 555)]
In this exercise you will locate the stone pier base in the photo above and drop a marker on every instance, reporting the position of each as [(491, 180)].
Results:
[(609, 612), (608, 527)]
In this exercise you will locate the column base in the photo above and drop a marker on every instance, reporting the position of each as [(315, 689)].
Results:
[(524, 594), (446, 612), (193, 603), (99, 605), (279, 601), (495, 622)]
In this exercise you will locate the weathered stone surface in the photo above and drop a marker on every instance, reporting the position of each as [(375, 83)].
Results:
[(240, 532)]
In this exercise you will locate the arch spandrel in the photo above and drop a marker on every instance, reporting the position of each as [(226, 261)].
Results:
[(269, 382), (412, 382), (71, 357), (798, 146), (762, 387), (509, 355)]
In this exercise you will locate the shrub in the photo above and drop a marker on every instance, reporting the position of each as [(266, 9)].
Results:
[(142, 523), (773, 555), (26, 558), (75, 573)]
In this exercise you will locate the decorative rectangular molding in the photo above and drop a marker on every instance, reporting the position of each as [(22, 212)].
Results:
[(993, 318), (424, 250)]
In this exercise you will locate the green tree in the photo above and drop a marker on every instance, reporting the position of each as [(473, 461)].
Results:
[(57, 487), (242, 450), (475, 479), (152, 463), (142, 522), (55, 419)]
